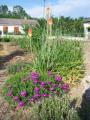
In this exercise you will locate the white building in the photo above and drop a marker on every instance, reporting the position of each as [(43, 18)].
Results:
[(14, 26), (87, 28)]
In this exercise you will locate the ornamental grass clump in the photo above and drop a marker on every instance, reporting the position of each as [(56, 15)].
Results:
[(54, 108), (63, 57), (29, 89)]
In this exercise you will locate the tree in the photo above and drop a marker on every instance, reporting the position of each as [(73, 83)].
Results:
[(3, 9), (18, 11)]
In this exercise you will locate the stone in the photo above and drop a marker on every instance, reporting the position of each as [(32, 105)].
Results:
[(87, 95)]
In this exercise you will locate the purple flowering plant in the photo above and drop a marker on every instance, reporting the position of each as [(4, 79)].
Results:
[(35, 88)]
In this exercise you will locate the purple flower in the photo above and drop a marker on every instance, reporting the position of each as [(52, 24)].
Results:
[(43, 84), (37, 96), (21, 104), (10, 94), (16, 98), (49, 95), (45, 95), (54, 85), (49, 83), (36, 89), (35, 81), (50, 73), (23, 93), (34, 76), (65, 86), (58, 78), (52, 88), (32, 99), (56, 92)]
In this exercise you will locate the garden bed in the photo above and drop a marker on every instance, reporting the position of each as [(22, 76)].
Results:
[(57, 66)]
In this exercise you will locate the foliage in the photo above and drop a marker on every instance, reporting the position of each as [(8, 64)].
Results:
[(23, 88), (3, 9), (5, 39), (25, 42), (42, 23), (18, 12), (64, 57), (88, 28), (66, 26), (37, 38), (18, 67), (25, 28), (62, 25), (54, 108)]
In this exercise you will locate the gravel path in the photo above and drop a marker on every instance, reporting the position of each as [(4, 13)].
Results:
[(87, 58)]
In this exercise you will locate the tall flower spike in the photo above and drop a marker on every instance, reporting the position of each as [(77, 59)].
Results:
[(50, 21), (30, 32)]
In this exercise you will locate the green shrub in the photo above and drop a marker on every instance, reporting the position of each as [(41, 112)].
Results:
[(54, 108), (5, 39)]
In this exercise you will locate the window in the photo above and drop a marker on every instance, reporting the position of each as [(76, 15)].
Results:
[(5, 29), (16, 30)]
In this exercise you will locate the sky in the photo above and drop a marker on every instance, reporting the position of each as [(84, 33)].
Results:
[(72, 8)]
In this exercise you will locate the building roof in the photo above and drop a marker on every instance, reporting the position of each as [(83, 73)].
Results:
[(86, 20), (11, 21)]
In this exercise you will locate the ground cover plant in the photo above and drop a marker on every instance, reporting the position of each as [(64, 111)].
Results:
[(24, 89)]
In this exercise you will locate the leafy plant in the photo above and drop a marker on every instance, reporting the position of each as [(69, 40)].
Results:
[(54, 108), (23, 88), (64, 57)]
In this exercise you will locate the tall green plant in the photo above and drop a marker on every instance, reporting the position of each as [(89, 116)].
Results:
[(54, 108), (64, 57)]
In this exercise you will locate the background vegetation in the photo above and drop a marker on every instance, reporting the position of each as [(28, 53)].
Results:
[(17, 12), (62, 25)]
